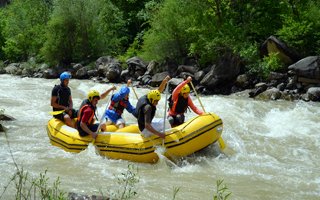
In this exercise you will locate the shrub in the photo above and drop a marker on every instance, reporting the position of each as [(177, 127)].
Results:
[(222, 191)]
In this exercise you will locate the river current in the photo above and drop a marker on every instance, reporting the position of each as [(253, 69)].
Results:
[(273, 148)]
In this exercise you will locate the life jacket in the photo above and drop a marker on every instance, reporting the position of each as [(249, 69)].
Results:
[(80, 113), (63, 95), (118, 106), (181, 105), (139, 114)]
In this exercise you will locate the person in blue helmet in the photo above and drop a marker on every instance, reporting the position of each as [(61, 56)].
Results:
[(61, 99), (119, 102)]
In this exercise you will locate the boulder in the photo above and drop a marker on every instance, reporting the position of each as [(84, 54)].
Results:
[(272, 94), (223, 73), (158, 78), (13, 68), (2, 129), (110, 68), (274, 45), (308, 67), (313, 94), (4, 117), (82, 73)]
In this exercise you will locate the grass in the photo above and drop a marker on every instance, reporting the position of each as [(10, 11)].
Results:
[(221, 192)]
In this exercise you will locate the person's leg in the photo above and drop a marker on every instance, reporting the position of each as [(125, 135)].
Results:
[(60, 116), (120, 123), (69, 121), (171, 120), (180, 119), (108, 122), (93, 127)]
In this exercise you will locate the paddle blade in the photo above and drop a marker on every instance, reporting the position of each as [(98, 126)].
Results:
[(56, 112), (225, 150), (221, 143)]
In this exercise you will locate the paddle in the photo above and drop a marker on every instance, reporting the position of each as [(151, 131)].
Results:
[(220, 140), (134, 91), (102, 116), (56, 112), (165, 111)]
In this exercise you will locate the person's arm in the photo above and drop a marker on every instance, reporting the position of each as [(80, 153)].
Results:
[(164, 83), (54, 104), (69, 109), (87, 130), (130, 108), (150, 128), (103, 95), (70, 102), (176, 91), (117, 97), (147, 122), (129, 82), (193, 107)]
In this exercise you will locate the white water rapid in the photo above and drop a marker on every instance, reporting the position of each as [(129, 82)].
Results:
[(276, 148)]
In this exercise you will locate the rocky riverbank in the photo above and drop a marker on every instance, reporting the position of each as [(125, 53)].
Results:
[(301, 79)]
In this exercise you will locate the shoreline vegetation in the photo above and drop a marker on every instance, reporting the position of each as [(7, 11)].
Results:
[(266, 49)]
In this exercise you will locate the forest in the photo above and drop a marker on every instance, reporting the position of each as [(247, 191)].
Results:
[(61, 32)]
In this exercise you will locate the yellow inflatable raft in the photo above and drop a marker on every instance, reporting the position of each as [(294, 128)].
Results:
[(128, 144)]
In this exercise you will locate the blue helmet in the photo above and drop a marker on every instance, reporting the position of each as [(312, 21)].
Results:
[(65, 75), (124, 90)]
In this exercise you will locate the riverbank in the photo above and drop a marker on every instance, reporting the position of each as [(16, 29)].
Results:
[(300, 82)]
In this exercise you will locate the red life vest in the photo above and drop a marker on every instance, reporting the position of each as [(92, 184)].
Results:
[(118, 106), (80, 114)]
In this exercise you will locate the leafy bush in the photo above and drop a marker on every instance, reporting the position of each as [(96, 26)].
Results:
[(167, 37), (126, 182), (270, 64), (294, 33), (302, 31), (24, 26), (35, 188), (82, 30)]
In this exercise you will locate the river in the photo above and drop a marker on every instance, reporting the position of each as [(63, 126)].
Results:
[(275, 144)]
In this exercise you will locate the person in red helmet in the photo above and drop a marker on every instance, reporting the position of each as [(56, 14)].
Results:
[(179, 102), (61, 99)]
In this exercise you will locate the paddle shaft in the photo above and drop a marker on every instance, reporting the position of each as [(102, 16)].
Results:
[(101, 119), (197, 96), (134, 91), (103, 114), (165, 112), (220, 140)]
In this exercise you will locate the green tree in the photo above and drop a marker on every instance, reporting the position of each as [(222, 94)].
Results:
[(135, 13), (301, 29), (167, 36), (24, 28), (81, 30), (2, 39)]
